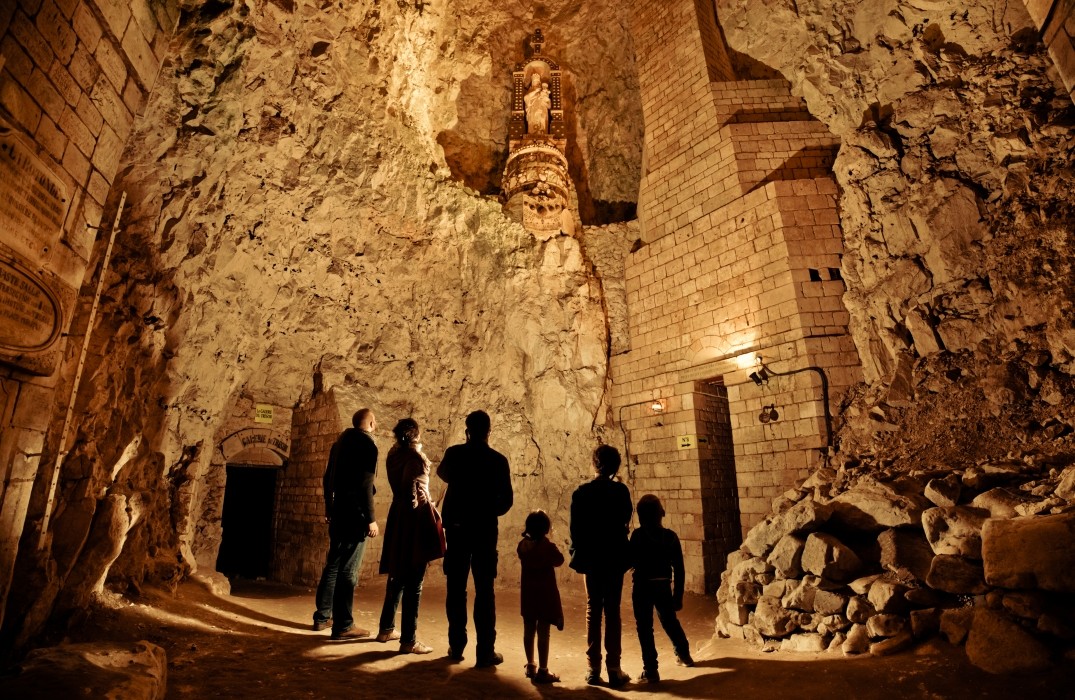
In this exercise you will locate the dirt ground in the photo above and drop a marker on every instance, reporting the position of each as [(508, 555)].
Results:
[(257, 643)]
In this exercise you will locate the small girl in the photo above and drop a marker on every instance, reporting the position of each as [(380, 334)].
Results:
[(541, 606)]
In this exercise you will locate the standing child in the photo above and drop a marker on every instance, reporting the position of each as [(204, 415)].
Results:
[(541, 606), (658, 583)]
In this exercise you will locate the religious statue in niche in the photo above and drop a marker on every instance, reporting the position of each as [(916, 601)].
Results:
[(538, 102), (538, 190)]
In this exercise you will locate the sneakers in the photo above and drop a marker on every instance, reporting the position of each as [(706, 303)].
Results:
[(322, 625), (545, 676), (454, 655), (684, 659), (352, 633), (415, 648), (530, 670), (617, 678), (387, 636), (650, 676), (493, 659)]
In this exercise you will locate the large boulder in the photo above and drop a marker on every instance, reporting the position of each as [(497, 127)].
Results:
[(1000, 502), (827, 557), (873, 506), (955, 530), (944, 492), (804, 516), (998, 645), (1027, 553)]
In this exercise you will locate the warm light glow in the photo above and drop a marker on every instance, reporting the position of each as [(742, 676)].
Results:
[(656, 406)]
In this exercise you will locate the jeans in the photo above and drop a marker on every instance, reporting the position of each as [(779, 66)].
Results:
[(336, 590), (408, 587), (471, 550), (604, 589), (646, 596)]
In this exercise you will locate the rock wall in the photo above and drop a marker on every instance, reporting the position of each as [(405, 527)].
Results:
[(292, 214)]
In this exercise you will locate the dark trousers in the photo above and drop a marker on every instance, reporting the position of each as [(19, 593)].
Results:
[(604, 589), (408, 587), (336, 589), (471, 550), (647, 596)]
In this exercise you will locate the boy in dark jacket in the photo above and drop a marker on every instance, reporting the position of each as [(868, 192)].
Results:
[(600, 518), (658, 583)]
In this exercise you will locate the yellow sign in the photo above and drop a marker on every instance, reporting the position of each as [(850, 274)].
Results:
[(263, 413), (689, 442)]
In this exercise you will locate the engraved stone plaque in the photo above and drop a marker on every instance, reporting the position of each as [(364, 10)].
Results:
[(33, 200), (29, 311)]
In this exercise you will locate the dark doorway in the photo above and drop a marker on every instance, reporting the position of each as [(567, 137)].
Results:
[(720, 495), (246, 544)]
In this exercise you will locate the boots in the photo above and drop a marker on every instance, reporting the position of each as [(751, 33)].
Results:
[(616, 677)]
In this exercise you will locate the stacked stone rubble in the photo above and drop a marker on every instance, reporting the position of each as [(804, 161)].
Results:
[(867, 559)]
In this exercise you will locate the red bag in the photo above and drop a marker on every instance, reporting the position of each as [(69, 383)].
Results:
[(429, 534)]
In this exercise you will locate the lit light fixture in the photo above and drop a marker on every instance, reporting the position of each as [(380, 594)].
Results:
[(657, 407), (760, 377), (768, 414)]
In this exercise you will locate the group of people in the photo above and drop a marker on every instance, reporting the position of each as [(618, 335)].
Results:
[(479, 492)]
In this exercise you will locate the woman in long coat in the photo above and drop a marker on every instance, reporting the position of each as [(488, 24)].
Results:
[(405, 553)]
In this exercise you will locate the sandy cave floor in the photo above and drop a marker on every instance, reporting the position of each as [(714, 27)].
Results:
[(257, 643)]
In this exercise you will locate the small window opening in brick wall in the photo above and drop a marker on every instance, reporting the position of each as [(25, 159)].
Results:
[(815, 275), (834, 273)]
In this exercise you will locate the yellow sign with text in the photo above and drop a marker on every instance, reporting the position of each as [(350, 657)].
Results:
[(263, 413)]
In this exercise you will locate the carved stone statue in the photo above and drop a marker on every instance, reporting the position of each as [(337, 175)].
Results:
[(538, 103)]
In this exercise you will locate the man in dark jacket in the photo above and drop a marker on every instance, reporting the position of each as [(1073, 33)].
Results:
[(349, 489), (601, 512), (479, 492)]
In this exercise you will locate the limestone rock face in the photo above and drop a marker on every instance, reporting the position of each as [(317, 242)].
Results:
[(305, 212)]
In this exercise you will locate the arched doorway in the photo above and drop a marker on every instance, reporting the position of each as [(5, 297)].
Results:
[(246, 544)]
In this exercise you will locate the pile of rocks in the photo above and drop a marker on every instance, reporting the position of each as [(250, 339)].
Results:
[(870, 559)]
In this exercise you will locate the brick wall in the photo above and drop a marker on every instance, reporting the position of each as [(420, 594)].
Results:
[(74, 74), (742, 258)]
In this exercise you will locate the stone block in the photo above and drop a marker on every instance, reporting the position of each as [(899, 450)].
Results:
[(772, 620), (892, 645), (829, 603), (997, 645), (117, 14), (86, 26), (811, 643), (804, 516), (905, 552), (859, 610), (925, 623), (857, 642), (141, 56), (955, 530), (886, 625), (825, 556), (957, 575), (1037, 552), (1000, 502), (786, 556), (956, 623), (875, 506), (887, 597), (944, 492)]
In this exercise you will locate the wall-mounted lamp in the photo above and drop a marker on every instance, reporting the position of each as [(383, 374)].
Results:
[(760, 377), (769, 414), (657, 407)]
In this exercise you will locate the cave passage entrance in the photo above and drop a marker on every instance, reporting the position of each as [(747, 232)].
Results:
[(246, 544), (721, 531)]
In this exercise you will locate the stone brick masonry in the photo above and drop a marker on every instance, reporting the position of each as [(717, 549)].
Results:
[(741, 259)]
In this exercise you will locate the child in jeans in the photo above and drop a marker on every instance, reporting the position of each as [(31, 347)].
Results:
[(658, 583), (540, 597)]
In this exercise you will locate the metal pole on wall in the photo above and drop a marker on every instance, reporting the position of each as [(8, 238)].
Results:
[(61, 450)]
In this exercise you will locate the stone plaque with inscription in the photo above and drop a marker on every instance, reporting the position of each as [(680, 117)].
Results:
[(33, 200), (29, 311)]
